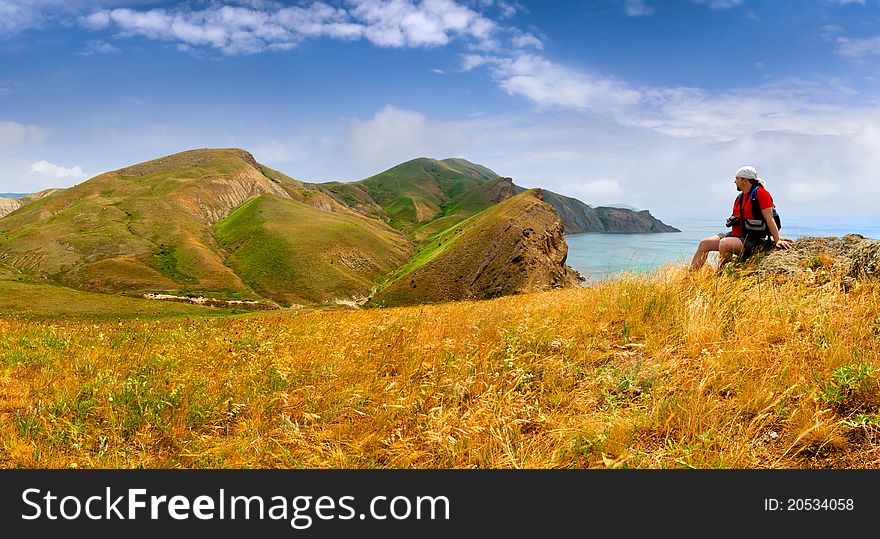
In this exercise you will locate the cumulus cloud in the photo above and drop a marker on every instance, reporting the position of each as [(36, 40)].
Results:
[(394, 135), (236, 30), (15, 135), (637, 8), (524, 41), (18, 16), (549, 84), (18, 175), (45, 169)]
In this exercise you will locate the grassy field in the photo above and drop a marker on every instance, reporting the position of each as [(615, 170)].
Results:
[(27, 300), (674, 370)]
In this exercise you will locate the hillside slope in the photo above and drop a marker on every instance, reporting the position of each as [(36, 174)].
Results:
[(9, 205), (149, 227), (515, 246), (291, 252), (414, 192)]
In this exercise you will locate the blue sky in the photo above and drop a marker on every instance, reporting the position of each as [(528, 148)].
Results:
[(648, 102)]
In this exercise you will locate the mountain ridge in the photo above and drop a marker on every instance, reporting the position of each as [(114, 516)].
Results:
[(215, 222)]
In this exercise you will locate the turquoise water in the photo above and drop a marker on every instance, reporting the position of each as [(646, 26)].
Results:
[(601, 256)]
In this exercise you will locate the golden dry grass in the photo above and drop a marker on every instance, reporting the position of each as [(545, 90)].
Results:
[(671, 370)]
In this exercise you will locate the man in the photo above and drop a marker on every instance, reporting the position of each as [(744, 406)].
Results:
[(749, 232)]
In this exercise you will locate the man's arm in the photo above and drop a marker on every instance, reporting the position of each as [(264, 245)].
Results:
[(774, 230)]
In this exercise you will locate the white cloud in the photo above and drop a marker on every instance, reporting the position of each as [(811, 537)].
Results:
[(235, 30), (527, 40), (396, 23), (857, 47), (549, 84), (692, 112), (393, 135), (18, 175), (96, 21), (277, 152), (18, 16), (718, 4), (98, 46), (45, 169), (15, 135), (598, 191), (637, 8), (473, 61)]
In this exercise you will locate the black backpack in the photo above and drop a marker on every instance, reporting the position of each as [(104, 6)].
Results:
[(757, 227)]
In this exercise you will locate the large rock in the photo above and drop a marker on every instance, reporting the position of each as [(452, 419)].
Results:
[(848, 257)]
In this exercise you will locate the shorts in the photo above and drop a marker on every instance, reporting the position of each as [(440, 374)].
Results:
[(750, 243)]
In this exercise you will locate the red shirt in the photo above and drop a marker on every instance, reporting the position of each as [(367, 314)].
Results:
[(764, 201)]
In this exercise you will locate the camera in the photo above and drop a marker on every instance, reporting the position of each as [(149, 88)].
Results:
[(732, 221)]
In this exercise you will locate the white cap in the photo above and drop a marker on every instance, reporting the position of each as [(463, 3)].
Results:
[(747, 172), (750, 173)]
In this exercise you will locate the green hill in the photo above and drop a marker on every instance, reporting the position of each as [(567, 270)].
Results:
[(150, 227), (294, 253), (414, 192)]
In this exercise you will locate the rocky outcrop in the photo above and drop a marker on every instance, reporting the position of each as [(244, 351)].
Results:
[(517, 246), (9, 205), (213, 198), (820, 259), (504, 189)]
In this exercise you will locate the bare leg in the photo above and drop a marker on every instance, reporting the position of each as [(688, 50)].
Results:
[(727, 248), (706, 245)]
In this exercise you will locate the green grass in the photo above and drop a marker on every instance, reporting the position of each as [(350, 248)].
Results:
[(294, 253), (426, 184), (32, 301)]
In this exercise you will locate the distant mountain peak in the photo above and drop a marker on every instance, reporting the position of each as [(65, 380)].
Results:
[(188, 159)]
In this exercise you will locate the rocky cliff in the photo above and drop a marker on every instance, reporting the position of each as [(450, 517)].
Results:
[(517, 246)]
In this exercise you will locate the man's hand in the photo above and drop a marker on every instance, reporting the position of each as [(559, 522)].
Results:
[(783, 244)]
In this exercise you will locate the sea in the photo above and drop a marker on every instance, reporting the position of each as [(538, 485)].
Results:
[(599, 257)]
